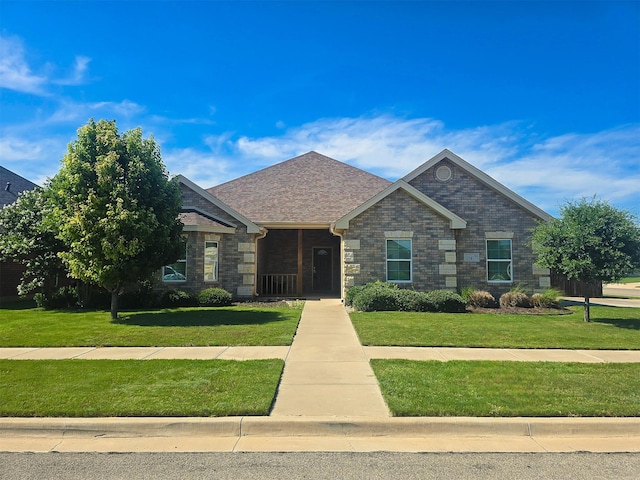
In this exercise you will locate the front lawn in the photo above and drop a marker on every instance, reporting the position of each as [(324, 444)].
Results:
[(233, 326), (105, 388), (610, 328), (509, 389)]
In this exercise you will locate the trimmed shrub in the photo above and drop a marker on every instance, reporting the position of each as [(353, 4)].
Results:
[(63, 297), (377, 297), (214, 297), (414, 301), (480, 299), (178, 298), (514, 299), (446, 301), (546, 299), (351, 293)]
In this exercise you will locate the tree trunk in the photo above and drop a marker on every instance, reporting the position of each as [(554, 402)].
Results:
[(114, 303), (587, 312)]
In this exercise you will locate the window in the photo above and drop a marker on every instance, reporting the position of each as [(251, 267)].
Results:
[(176, 272), (210, 261), (399, 260), (499, 261)]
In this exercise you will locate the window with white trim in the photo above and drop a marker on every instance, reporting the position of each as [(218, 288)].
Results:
[(499, 261), (399, 260), (177, 271), (210, 261)]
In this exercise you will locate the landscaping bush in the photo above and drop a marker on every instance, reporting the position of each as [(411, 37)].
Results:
[(413, 301), (63, 297), (446, 301), (479, 299), (546, 299), (214, 297), (142, 295), (515, 298), (351, 293), (376, 297), (178, 298)]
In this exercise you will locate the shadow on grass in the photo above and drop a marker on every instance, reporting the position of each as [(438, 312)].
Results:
[(629, 323), (200, 318)]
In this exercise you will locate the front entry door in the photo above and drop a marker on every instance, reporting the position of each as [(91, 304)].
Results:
[(322, 269)]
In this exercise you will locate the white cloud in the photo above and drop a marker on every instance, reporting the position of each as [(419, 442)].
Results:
[(15, 72), (79, 113), (546, 171), (78, 74)]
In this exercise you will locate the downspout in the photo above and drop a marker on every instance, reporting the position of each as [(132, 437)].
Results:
[(259, 236), (333, 231)]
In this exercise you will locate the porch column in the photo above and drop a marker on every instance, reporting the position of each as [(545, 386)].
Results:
[(299, 283)]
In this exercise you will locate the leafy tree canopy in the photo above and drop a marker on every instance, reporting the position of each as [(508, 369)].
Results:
[(591, 241), (116, 209), (26, 238)]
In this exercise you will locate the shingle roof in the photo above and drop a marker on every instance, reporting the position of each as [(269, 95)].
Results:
[(16, 183), (311, 188)]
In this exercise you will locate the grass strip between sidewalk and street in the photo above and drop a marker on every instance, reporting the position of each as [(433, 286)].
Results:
[(611, 328), (226, 326), (509, 389), (105, 388)]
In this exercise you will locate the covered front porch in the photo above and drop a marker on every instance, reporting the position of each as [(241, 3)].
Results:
[(293, 262)]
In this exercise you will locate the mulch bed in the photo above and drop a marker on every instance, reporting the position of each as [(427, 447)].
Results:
[(521, 311)]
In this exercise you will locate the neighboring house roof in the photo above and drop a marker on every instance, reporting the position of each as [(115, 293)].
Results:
[(251, 227), (455, 222), (311, 189), (482, 177), (11, 184)]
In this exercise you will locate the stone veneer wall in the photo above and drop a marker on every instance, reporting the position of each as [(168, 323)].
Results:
[(400, 215), (236, 253), (486, 212)]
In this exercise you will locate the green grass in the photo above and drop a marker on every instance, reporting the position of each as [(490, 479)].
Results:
[(610, 328), (509, 389), (630, 280), (239, 325), (97, 388)]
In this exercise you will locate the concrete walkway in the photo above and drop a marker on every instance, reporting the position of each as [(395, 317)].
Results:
[(327, 372)]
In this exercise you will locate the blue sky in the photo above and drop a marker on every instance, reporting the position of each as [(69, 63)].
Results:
[(543, 96)]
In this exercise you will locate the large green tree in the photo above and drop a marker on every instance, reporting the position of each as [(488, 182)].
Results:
[(591, 241), (115, 207), (27, 238)]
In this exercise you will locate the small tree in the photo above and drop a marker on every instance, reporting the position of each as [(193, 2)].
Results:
[(26, 238), (116, 209), (592, 241)]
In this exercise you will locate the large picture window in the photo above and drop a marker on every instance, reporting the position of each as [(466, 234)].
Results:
[(499, 261), (210, 261), (399, 260), (177, 271)]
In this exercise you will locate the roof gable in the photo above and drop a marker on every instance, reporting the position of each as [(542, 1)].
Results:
[(455, 222), (481, 177), (11, 184), (251, 227), (310, 189)]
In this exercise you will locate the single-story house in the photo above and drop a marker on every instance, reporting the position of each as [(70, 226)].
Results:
[(11, 185), (313, 225)]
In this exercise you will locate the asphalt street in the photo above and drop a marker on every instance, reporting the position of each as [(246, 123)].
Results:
[(319, 466)]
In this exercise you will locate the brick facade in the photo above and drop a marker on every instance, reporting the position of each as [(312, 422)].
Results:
[(397, 216), (486, 211), (236, 253)]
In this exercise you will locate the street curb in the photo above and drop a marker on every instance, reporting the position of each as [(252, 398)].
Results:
[(319, 427)]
